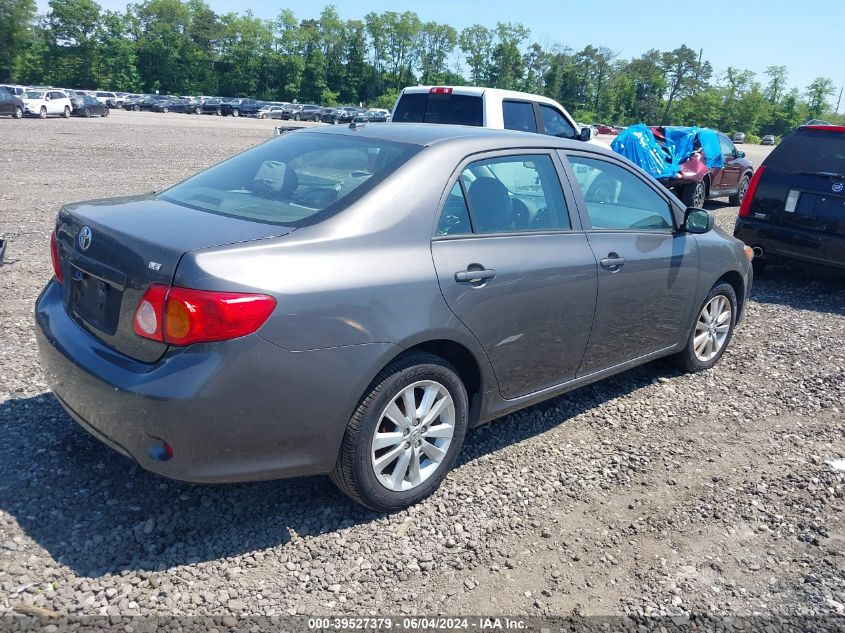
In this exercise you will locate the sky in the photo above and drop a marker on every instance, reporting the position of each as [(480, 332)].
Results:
[(806, 38)]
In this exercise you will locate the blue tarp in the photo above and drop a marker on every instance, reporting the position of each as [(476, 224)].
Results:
[(637, 144)]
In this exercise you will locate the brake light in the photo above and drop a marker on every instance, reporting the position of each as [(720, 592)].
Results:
[(745, 209), (54, 255), (440, 91), (826, 128), (182, 316)]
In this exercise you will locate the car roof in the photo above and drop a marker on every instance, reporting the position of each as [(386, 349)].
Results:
[(480, 138), (481, 90)]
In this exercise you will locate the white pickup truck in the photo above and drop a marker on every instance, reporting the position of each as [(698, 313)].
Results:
[(486, 107)]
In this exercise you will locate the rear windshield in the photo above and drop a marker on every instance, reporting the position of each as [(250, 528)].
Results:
[(810, 151), (451, 109), (295, 180)]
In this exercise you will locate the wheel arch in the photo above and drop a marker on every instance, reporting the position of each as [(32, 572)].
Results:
[(735, 280)]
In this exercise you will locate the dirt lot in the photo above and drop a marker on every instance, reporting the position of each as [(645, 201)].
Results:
[(652, 493)]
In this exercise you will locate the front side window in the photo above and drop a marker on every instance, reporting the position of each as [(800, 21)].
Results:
[(295, 180), (618, 199), (554, 123), (726, 146), (509, 194), (519, 115)]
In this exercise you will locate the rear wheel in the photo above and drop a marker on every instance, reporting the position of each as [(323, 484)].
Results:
[(86, 113), (18, 112), (296, 117), (136, 107), (405, 435), (165, 110), (694, 194), (197, 110), (236, 113), (711, 331), (105, 112), (316, 118), (736, 199)]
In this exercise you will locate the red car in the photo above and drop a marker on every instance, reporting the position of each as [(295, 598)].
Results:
[(607, 129), (697, 182)]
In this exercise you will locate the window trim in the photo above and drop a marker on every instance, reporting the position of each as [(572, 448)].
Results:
[(534, 109), (575, 221), (674, 210), (541, 124)]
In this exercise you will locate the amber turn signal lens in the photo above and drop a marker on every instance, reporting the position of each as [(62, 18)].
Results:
[(749, 253)]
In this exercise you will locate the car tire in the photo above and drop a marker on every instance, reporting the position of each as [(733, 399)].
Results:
[(707, 340), (264, 116), (736, 199), (18, 112), (694, 194), (136, 108), (316, 118), (355, 471), (42, 113), (106, 112), (66, 113), (197, 110), (219, 112), (236, 112), (87, 113), (165, 110)]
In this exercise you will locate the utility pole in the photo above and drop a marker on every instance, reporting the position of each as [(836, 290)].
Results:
[(839, 100)]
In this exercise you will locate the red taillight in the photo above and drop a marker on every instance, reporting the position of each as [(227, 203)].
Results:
[(54, 254), (826, 128), (181, 316), (745, 208), (440, 91)]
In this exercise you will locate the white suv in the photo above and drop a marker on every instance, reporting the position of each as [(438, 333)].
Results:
[(42, 103), (486, 107)]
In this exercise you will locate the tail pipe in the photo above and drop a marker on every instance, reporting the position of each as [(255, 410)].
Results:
[(758, 251)]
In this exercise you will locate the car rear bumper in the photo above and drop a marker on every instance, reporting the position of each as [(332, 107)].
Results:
[(781, 242), (242, 410)]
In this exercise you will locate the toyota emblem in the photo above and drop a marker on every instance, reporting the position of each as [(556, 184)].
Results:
[(837, 187), (84, 238)]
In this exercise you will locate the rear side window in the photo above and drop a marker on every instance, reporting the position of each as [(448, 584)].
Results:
[(295, 180), (451, 109), (617, 199), (519, 115), (810, 151), (506, 194)]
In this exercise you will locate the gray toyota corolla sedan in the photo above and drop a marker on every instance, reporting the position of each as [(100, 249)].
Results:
[(352, 300)]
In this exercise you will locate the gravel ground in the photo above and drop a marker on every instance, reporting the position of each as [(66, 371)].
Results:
[(654, 492)]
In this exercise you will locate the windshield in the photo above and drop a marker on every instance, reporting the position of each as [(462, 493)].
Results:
[(296, 179), (810, 151), (33, 94)]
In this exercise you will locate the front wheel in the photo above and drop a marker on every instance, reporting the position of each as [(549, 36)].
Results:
[(136, 108), (87, 113), (296, 117), (197, 110), (736, 199), (42, 113), (236, 113), (711, 331), (405, 435), (694, 194), (105, 112), (18, 112), (66, 113)]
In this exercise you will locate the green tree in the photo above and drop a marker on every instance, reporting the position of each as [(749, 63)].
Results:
[(16, 18), (685, 73), (507, 69), (73, 27), (436, 44), (476, 42), (116, 67), (776, 87), (818, 92)]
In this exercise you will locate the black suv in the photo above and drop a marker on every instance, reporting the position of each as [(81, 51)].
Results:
[(794, 209), (240, 107), (306, 112)]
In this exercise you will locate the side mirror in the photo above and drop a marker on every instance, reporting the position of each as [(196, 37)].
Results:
[(740, 154), (698, 221), (585, 134)]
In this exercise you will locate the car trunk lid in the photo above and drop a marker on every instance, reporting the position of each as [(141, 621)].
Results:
[(111, 251)]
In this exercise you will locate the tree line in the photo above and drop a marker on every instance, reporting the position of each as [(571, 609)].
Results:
[(184, 47)]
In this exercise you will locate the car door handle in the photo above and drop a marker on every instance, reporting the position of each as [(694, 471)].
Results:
[(613, 262), (482, 274)]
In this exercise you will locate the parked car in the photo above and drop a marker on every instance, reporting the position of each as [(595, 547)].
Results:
[(795, 207), (43, 103), (377, 115), (212, 106), (149, 101), (105, 97), (87, 106), (302, 112), (11, 105), (739, 137), (185, 353), (264, 111), (607, 129), (486, 107), (768, 139), (276, 112), (343, 114), (173, 105), (133, 102), (240, 107), (713, 168), (14, 89)]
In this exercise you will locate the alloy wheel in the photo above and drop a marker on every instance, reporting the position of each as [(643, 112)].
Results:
[(743, 188), (413, 435), (42, 113), (712, 328), (698, 196), (18, 112)]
